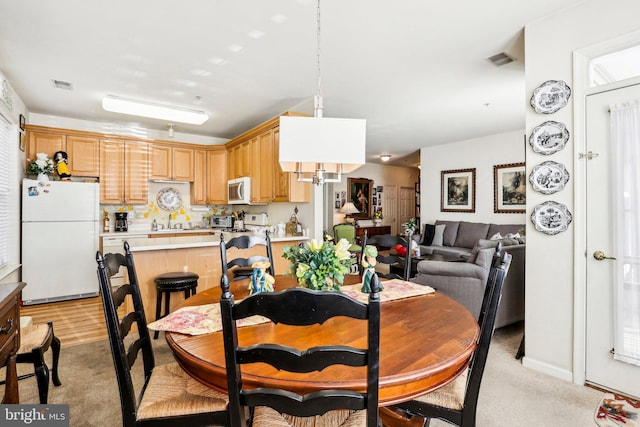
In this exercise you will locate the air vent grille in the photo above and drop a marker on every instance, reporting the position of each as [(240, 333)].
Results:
[(62, 85), (500, 59)]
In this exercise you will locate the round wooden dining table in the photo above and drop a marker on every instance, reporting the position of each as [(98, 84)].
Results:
[(425, 342)]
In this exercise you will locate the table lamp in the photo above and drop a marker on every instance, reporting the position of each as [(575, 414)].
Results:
[(348, 209)]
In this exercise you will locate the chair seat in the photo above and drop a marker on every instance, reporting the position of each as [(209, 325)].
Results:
[(450, 396), (172, 392), (265, 416), (33, 336)]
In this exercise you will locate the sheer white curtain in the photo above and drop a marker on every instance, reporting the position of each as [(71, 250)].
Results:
[(625, 162)]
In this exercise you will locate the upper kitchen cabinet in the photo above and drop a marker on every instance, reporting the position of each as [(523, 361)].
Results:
[(287, 188), (84, 155), (124, 172), (171, 163), (83, 150), (255, 154), (210, 177)]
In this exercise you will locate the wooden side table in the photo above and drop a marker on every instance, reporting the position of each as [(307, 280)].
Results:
[(372, 231), (10, 337)]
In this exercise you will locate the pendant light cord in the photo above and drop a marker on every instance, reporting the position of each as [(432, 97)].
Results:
[(318, 105)]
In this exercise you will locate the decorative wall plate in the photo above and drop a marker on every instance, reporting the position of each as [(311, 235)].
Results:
[(169, 199), (549, 177), (550, 96), (551, 217), (549, 137)]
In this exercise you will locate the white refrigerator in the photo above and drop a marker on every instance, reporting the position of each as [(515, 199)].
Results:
[(60, 230)]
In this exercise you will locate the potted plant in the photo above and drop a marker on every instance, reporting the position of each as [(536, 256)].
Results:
[(319, 265), (42, 166), (410, 226), (377, 216)]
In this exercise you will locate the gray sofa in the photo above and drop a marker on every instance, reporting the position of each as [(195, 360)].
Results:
[(466, 279)]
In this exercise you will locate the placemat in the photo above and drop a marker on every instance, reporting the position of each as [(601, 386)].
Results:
[(204, 319)]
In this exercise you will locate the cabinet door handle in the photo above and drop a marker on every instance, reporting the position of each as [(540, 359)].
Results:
[(5, 329)]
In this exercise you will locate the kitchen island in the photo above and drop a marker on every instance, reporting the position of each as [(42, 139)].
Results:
[(198, 254)]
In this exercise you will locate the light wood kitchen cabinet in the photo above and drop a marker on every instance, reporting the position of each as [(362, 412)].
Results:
[(210, 177), (44, 142), (83, 151), (124, 170), (217, 176), (286, 185), (84, 155), (255, 154), (171, 163)]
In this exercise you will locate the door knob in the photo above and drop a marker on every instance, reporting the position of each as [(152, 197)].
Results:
[(599, 255)]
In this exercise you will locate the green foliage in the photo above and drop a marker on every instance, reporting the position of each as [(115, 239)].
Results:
[(319, 266)]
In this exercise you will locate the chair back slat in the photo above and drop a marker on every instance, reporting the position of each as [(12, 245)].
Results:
[(301, 307), (317, 403), (118, 329), (281, 307), (247, 242), (293, 360)]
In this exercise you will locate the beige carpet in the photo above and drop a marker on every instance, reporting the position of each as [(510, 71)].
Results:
[(511, 395)]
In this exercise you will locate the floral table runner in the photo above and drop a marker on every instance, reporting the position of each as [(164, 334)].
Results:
[(204, 319)]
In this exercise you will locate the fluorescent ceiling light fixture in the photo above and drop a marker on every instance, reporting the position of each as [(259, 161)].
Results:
[(385, 157), (155, 111)]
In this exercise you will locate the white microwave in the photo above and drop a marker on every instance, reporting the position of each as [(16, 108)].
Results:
[(239, 191)]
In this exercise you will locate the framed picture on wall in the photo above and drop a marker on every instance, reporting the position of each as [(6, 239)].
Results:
[(360, 196), (509, 188), (458, 190)]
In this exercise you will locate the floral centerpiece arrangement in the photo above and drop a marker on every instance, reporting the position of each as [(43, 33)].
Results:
[(378, 214), (41, 165), (319, 265)]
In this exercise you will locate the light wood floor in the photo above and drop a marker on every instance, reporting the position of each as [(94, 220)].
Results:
[(74, 322)]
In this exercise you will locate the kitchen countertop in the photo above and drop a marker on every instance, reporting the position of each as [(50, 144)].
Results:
[(181, 242), (139, 232)]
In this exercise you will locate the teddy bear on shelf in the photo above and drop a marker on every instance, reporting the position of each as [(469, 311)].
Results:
[(261, 281), (369, 264), (61, 159)]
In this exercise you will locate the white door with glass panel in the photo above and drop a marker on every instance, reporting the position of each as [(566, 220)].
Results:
[(613, 239)]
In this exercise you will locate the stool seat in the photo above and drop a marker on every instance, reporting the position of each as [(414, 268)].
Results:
[(174, 281)]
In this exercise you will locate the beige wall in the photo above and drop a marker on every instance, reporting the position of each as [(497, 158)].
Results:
[(479, 153), (555, 285)]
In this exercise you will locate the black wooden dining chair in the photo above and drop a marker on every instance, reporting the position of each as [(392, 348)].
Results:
[(241, 267), (457, 401), (385, 244), (301, 307), (169, 396)]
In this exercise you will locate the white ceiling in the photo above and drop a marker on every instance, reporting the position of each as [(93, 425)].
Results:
[(416, 70)]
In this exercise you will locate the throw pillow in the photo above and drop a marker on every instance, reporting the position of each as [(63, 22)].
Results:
[(438, 235), (427, 236), (496, 236)]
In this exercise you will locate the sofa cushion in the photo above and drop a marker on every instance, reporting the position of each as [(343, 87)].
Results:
[(504, 229), (438, 235), (481, 244), (470, 232), (427, 235), (484, 257), (450, 232)]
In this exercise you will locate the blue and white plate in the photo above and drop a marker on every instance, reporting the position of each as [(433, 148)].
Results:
[(550, 96)]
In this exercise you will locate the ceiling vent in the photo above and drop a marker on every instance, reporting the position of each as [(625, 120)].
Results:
[(500, 59), (59, 84)]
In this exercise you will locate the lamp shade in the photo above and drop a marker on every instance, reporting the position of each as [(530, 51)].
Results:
[(308, 141), (349, 209)]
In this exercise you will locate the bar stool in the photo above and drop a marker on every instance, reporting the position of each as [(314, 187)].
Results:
[(175, 281)]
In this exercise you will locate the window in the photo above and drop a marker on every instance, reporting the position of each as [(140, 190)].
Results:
[(4, 191)]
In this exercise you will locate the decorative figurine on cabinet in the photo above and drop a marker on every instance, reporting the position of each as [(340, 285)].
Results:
[(61, 159), (369, 264), (261, 281)]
